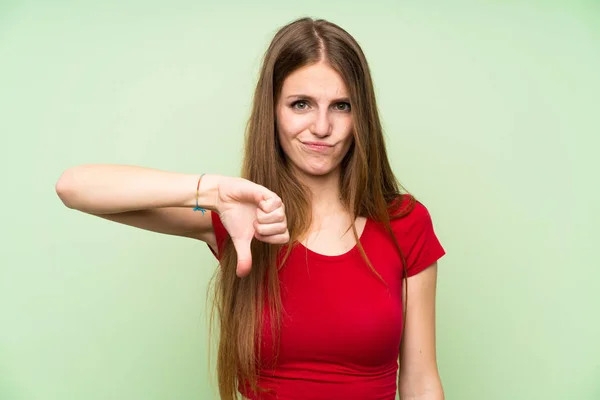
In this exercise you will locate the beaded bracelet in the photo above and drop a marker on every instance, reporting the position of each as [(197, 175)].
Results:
[(198, 208)]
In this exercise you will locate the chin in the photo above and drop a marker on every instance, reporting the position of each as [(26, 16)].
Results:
[(317, 170)]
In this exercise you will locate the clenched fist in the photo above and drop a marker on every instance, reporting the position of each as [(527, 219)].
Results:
[(249, 210)]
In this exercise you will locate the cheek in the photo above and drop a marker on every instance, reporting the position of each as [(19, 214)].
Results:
[(290, 124), (284, 140), (345, 128), (347, 136), (284, 136)]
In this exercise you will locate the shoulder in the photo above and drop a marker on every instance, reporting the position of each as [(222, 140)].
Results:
[(413, 229), (406, 211)]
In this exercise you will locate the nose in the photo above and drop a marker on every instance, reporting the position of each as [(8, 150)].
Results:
[(321, 125)]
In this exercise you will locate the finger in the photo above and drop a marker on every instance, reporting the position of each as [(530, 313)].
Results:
[(282, 238), (270, 229), (262, 193), (244, 256), (270, 218), (271, 204)]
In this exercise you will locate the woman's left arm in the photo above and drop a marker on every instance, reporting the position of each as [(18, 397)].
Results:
[(419, 378)]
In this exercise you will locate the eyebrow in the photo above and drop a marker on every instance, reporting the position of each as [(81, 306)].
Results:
[(304, 96)]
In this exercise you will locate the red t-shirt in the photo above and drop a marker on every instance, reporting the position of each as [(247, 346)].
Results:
[(341, 326)]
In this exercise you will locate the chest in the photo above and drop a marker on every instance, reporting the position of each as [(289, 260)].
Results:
[(333, 238), (337, 311)]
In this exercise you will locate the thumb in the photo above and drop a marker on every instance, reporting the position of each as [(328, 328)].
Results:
[(244, 256), (262, 193)]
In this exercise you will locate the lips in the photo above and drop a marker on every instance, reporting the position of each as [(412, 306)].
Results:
[(317, 146)]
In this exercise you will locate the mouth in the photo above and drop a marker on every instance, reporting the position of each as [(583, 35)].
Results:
[(317, 146)]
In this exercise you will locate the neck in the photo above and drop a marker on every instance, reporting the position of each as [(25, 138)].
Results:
[(325, 196)]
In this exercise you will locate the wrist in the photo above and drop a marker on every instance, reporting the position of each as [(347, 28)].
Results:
[(208, 191)]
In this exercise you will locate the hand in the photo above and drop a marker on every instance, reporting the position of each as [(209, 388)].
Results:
[(247, 211)]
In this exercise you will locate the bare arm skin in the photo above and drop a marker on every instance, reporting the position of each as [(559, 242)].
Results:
[(419, 378), (162, 201)]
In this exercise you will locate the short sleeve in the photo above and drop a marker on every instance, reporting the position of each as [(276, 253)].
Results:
[(221, 234), (416, 236)]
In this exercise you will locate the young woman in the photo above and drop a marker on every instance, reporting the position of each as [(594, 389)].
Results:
[(327, 275)]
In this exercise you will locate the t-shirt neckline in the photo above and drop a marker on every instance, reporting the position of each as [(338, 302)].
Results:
[(338, 257)]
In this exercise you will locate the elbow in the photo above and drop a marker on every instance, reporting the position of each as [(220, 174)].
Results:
[(422, 387), (66, 190)]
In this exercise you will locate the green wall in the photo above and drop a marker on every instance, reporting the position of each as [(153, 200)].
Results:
[(491, 115)]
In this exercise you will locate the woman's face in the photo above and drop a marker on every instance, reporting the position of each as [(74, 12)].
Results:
[(314, 119)]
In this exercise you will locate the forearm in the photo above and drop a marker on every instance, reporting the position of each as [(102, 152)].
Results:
[(109, 189), (432, 395), (429, 396), (421, 389)]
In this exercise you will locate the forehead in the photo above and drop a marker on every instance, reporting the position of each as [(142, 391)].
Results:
[(317, 80)]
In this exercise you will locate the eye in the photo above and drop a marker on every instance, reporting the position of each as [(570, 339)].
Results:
[(342, 107), (300, 105)]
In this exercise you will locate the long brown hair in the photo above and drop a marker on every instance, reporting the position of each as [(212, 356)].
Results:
[(368, 188)]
